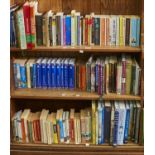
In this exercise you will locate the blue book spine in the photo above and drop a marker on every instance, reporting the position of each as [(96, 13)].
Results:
[(44, 75), (15, 74), (23, 77), (39, 74), (116, 119), (68, 30), (138, 31), (54, 75), (61, 131), (49, 75), (34, 76), (61, 74), (66, 74), (71, 75), (133, 32), (126, 125), (102, 133), (58, 74), (96, 77)]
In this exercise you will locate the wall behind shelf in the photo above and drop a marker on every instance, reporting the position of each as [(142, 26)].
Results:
[(127, 7)]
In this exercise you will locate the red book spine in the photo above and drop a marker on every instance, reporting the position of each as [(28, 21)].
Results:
[(23, 130), (38, 130), (64, 30), (71, 130), (86, 31), (123, 76), (35, 131), (27, 23)]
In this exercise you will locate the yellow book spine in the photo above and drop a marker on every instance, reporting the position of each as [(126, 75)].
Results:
[(121, 31), (128, 78), (55, 132)]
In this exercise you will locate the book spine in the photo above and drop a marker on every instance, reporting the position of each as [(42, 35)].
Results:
[(116, 119), (38, 75), (68, 30), (126, 126), (49, 75), (23, 76), (39, 30), (93, 122), (66, 75), (15, 75), (58, 73), (64, 31), (28, 75), (117, 31), (72, 30), (107, 122), (23, 131), (86, 31), (137, 125), (34, 75), (97, 31), (99, 126), (123, 75), (26, 11), (127, 35), (138, 32), (78, 31), (133, 40), (62, 74), (33, 26), (71, 130), (107, 31), (71, 75), (61, 30), (54, 31), (54, 75), (61, 131), (88, 76), (96, 77), (50, 33), (22, 34), (55, 133), (92, 78), (44, 75), (121, 35)]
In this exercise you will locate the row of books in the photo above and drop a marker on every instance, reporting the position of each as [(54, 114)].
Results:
[(115, 122), (109, 74), (29, 28)]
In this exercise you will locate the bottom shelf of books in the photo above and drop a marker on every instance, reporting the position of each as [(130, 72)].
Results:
[(62, 124)]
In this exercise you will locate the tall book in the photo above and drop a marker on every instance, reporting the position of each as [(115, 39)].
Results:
[(93, 122), (27, 22), (107, 121)]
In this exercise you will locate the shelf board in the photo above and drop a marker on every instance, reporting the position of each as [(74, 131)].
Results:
[(66, 94), (81, 49), (74, 147)]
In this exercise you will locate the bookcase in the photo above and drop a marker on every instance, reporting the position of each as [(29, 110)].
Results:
[(37, 99)]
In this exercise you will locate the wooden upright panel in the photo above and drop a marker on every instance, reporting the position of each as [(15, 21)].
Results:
[(56, 5), (44, 6)]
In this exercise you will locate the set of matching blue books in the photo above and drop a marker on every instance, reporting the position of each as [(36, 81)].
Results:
[(44, 73)]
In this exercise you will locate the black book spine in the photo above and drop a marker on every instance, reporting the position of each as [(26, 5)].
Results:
[(107, 124), (50, 30), (127, 35), (97, 31), (39, 29)]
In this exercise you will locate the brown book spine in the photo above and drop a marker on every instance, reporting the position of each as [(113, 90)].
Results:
[(38, 130), (107, 31), (83, 77), (71, 130)]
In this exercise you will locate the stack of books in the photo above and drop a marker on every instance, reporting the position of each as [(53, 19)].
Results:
[(103, 75), (29, 28), (112, 122)]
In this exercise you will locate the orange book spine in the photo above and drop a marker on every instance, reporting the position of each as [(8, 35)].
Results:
[(23, 130), (107, 31), (103, 32)]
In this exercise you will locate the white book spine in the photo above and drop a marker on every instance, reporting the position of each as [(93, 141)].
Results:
[(72, 30), (117, 31), (61, 22)]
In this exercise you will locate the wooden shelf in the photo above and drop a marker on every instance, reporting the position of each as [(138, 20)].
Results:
[(66, 94), (78, 146), (81, 49)]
